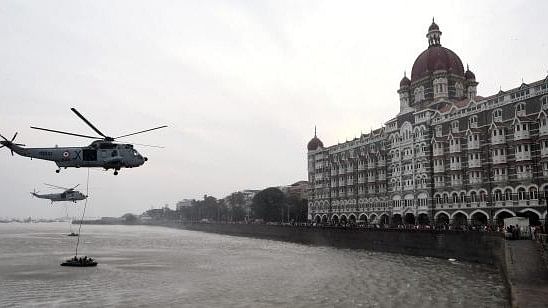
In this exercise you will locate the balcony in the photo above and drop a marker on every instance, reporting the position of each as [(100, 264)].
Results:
[(371, 165), (455, 166), (456, 182), (361, 180), (438, 151), (475, 180), (474, 163), (473, 145), (523, 156), (521, 134), (543, 130), (500, 178), (382, 177), (341, 170), (371, 179), (439, 168), (454, 148), (499, 159), (350, 169), (349, 182), (361, 167), (498, 139), (543, 151), (381, 163), (524, 175)]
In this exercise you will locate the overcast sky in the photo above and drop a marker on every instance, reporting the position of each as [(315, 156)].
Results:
[(241, 84)]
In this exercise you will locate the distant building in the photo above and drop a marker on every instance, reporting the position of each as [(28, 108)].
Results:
[(448, 156), (298, 190), (183, 204)]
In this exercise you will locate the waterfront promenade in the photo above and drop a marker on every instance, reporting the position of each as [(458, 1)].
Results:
[(527, 274)]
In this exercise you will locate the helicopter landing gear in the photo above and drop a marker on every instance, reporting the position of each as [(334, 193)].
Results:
[(58, 170), (115, 172)]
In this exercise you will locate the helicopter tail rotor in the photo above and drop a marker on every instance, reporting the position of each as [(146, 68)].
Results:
[(10, 143)]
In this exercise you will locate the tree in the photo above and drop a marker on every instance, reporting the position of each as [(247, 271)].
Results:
[(298, 209), (269, 204), (129, 218)]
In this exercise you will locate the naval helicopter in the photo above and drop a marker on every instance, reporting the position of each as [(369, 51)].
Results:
[(68, 194), (101, 153)]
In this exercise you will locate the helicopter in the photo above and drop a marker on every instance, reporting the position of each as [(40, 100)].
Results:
[(101, 153), (69, 194)]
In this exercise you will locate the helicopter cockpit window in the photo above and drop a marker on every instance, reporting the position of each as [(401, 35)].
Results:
[(135, 153), (107, 146)]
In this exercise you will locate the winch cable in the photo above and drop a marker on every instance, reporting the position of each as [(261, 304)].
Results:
[(67, 218), (83, 213)]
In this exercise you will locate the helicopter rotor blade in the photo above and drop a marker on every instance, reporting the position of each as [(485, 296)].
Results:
[(4, 138), (87, 122), (149, 145), (65, 133), (58, 187), (15, 135), (143, 131), (74, 187)]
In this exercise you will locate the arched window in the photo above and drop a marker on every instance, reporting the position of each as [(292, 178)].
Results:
[(455, 198), (544, 101), (498, 195), (473, 197), (533, 193), (483, 196), (508, 194), (521, 193)]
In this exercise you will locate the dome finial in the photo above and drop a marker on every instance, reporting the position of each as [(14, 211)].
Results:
[(404, 73), (434, 34)]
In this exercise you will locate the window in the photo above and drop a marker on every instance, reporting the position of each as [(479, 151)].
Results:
[(438, 131), (544, 101), (473, 121), (497, 115), (455, 126), (520, 109)]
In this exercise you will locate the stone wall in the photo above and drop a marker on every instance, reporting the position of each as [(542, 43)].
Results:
[(482, 247)]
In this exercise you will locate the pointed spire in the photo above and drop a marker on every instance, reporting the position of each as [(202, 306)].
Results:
[(467, 67), (314, 130)]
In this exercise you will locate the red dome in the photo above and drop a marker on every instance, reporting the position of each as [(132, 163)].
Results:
[(314, 144), (436, 58)]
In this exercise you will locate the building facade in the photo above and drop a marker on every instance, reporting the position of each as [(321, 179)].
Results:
[(448, 157)]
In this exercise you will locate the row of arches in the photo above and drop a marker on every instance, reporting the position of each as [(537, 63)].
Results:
[(459, 217)]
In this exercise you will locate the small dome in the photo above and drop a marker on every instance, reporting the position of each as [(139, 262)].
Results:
[(314, 144), (469, 75), (433, 26), (405, 82)]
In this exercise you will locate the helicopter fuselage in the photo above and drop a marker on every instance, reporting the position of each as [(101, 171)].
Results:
[(71, 196), (100, 154)]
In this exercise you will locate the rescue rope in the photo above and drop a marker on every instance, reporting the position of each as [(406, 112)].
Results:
[(83, 213)]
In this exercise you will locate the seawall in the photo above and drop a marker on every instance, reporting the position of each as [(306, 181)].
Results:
[(482, 247)]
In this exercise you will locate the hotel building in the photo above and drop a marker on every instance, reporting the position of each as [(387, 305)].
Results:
[(449, 156)]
